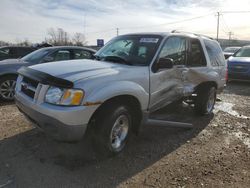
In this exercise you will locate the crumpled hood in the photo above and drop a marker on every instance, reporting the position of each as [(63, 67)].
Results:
[(77, 69)]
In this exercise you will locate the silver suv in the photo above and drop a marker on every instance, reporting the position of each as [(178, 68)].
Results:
[(132, 76)]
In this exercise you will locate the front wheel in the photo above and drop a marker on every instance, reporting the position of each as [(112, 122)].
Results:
[(205, 100), (112, 129), (7, 88)]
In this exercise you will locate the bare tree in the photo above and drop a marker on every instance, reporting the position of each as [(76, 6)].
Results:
[(79, 39), (24, 42), (58, 37), (3, 43)]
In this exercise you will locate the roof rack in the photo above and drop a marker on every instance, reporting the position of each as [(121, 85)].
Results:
[(199, 35)]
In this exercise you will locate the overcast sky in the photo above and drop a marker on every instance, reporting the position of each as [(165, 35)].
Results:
[(30, 19)]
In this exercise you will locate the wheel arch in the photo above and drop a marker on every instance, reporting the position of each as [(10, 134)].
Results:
[(206, 84), (8, 74), (130, 101)]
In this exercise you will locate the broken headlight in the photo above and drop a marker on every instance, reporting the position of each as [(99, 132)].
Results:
[(67, 97)]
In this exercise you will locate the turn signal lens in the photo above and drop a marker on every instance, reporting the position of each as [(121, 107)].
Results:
[(72, 97)]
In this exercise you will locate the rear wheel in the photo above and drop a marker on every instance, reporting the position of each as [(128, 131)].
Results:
[(7, 88), (112, 129), (205, 100)]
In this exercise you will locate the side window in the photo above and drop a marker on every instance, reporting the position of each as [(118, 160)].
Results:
[(24, 51), (175, 48), (60, 55), (5, 51), (196, 54), (81, 54), (215, 53), (21, 51), (13, 52)]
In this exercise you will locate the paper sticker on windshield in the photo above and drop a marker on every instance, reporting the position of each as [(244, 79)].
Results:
[(149, 40)]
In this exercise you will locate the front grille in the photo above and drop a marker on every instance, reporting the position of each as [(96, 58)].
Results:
[(33, 83), (28, 87), (238, 67)]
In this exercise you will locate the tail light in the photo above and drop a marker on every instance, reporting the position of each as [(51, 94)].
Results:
[(226, 76)]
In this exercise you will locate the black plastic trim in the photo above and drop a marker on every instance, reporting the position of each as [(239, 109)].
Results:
[(45, 78)]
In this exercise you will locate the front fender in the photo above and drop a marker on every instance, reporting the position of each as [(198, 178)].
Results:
[(7, 72), (118, 88)]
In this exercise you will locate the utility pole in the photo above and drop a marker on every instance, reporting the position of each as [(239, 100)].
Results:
[(230, 36), (84, 25), (117, 31), (218, 25)]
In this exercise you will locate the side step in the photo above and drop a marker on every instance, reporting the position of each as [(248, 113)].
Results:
[(171, 124)]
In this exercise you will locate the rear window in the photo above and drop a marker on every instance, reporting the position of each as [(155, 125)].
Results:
[(81, 54), (196, 56), (215, 53)]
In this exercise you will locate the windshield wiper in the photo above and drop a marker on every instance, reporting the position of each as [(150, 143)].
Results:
[(116, 59)]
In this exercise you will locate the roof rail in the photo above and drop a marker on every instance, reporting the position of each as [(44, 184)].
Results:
[(199, 35)]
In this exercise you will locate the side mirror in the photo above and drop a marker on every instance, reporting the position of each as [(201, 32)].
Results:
[(165, 63), (48, 59)]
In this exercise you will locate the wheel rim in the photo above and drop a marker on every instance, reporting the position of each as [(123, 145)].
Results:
[(211, 101), (7, 89), (119, 132)]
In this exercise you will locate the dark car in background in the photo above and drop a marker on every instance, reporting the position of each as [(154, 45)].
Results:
[(12, 52), (8, 68), (229, 51), (239, 65)]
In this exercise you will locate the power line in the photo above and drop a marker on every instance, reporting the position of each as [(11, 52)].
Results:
[(167, 23), (146, 26), (101, 31), (236, 12), (225, 23)]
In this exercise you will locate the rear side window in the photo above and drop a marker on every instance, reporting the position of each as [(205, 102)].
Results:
[(196, 56), (81, 54), (62, 55), (215, 53)]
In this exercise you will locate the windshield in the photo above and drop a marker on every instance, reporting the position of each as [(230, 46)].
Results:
[(130, 49), (231, 49), (36, 56), (243, 52)]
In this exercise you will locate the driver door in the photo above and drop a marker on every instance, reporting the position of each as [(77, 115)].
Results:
[(166, 85)]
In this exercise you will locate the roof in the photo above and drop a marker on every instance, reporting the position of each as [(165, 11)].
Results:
[(17, 47), (165, 34), (70, 47)]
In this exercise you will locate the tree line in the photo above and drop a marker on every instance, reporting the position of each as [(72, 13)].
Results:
[(55, 37)]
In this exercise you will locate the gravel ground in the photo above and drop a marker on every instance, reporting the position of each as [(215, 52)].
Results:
[(215, 153)]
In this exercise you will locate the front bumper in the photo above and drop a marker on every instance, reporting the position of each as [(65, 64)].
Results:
[(62, 123)]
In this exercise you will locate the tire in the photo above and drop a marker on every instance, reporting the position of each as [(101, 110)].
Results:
[(205, 100), (7, 87), (112, 129)]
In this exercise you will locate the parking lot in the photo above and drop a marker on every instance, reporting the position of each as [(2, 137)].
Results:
[(214, 154)]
